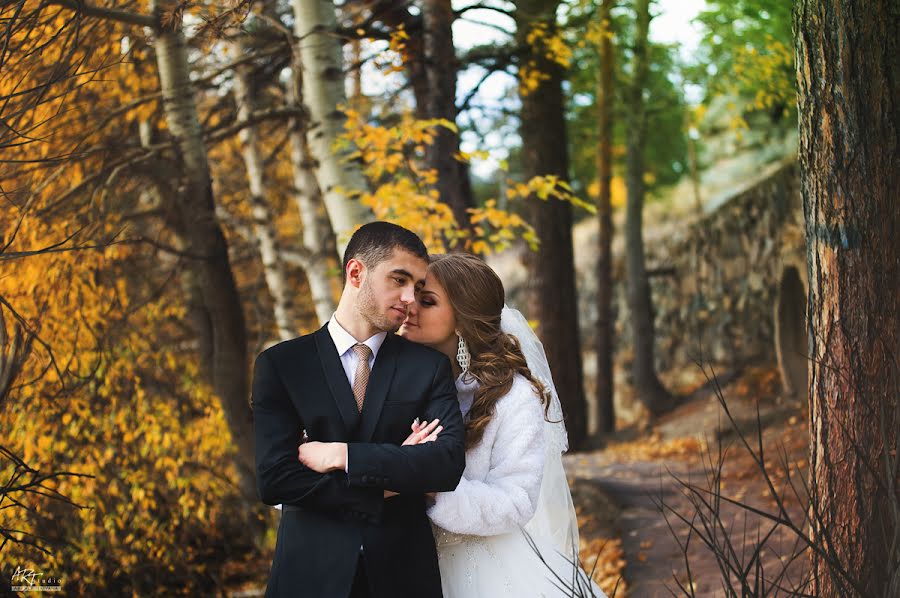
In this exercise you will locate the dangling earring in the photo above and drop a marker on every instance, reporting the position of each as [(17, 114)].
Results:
[(463, 357)]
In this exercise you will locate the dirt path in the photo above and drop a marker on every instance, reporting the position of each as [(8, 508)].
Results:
[(637, 474), (651, 553)]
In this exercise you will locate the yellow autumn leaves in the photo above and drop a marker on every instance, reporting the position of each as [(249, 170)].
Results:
[(770, 73), (405, 190), (546, 45), (118, 405)]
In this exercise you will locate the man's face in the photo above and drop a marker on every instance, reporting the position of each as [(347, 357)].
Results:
[(387, 290)]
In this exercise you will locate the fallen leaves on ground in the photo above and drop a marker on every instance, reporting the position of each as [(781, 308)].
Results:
[(655, 448), (606, 558)]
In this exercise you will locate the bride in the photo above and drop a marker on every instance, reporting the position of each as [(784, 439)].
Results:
[(509, 528)]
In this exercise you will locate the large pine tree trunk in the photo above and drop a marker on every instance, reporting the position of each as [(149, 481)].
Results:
[(216, 307), (647, 385), (441, 66), (552, 299), (606, 422), (849, 90), (264, 231), (319, 48)]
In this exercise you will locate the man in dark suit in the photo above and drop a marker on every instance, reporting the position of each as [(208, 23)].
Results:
[(354, 521)]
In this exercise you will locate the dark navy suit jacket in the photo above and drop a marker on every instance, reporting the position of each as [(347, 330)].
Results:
[(300, 385)]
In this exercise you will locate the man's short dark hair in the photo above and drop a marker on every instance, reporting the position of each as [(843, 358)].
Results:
[(375, 242)]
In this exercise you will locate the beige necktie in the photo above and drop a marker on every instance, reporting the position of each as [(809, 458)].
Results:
[(361, 379)]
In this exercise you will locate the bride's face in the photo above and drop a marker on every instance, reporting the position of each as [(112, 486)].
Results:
[(430, 318)]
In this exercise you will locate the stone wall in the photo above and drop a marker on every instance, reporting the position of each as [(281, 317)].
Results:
[(725, 285), (729, 287)]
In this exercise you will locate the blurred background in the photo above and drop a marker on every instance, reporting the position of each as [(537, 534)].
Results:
[(179, 180)]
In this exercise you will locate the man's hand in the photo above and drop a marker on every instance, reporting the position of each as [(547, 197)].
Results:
[(323, 457)]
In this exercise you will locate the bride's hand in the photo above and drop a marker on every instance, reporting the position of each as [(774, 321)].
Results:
[(423, 432)]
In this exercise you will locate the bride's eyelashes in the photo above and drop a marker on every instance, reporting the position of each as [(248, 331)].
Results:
[(425, 299)]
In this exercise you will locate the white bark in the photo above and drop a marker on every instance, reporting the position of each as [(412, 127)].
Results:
[(319, 49), (213, 299), (308, 196), (264, 230)]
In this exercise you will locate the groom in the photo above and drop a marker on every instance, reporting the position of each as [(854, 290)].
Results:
[(354, 388)]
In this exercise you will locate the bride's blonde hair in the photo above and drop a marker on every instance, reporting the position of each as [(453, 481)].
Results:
[(477, 297)]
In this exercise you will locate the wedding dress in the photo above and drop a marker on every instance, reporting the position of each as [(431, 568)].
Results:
[(509, 528)]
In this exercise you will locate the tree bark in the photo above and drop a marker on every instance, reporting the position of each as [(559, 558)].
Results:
[(319, 48), (606, 419), (264, 231), (318, 236), (551, 294), (693, 164), (216, 309), (442, 66), (14, 349), (849, 109), (647, 385)]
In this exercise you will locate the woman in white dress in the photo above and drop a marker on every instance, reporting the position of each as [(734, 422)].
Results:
[(509, 528)]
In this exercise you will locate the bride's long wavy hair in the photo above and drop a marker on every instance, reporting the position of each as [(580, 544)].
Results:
[(477, 297)]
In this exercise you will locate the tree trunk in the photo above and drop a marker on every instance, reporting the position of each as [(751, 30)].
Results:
[(693, 165), (606, 419), (264, 230), (441, 65), (319, 48), (318, 235), (647, 385), (217, 308), (552, 299), (356, 88), (849, 108)]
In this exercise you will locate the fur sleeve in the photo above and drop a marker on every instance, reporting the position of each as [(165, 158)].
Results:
[(507, 498)]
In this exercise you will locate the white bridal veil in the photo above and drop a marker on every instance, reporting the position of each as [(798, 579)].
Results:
[(554, 520)]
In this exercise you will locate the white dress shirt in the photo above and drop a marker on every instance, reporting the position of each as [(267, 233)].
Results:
[(344, 342)]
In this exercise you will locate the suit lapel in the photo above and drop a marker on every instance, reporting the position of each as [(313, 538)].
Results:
[(337, 379), (379, 383)]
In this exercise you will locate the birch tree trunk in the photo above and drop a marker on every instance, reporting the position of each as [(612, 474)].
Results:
[(216, 307), (264, 231), (318, 236), (647, 385), (319, 48), (849, 108)]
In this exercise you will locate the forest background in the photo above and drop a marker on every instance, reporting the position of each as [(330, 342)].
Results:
[(179, 180)]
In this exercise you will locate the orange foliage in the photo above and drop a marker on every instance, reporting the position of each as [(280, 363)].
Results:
[(548, 45), (405, 191), (112, 391), (125, 407), (605, 558)]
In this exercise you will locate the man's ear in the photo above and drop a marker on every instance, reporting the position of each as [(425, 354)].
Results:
[(355, 271)]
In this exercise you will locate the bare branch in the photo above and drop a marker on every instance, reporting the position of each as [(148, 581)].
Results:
[(112, 14)]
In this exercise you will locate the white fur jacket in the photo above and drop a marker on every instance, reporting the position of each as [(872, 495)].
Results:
[(499, 488)]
